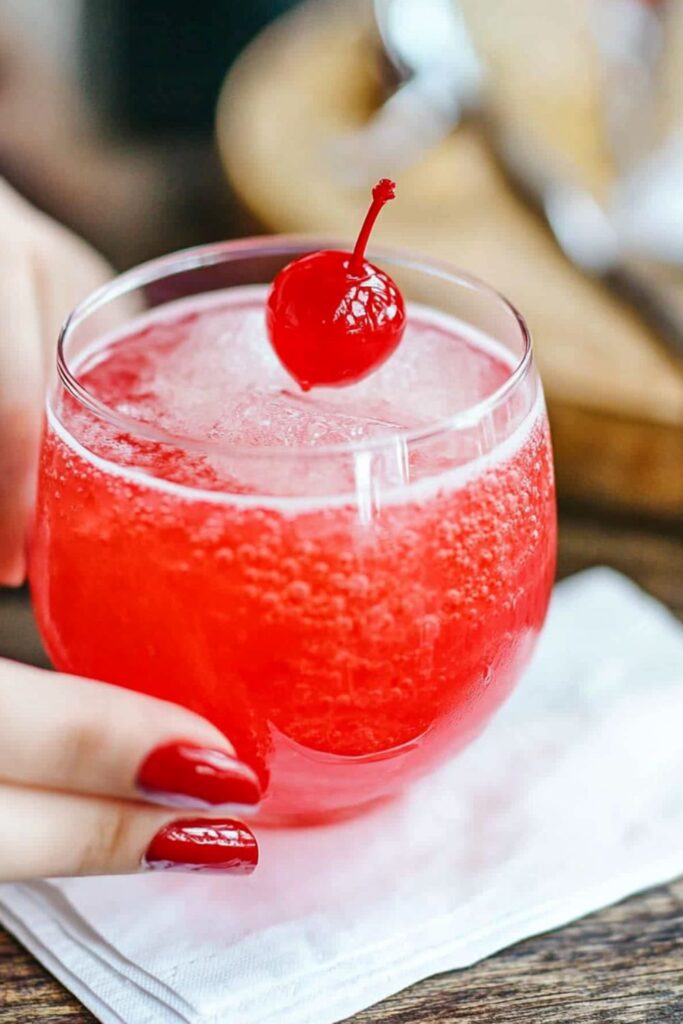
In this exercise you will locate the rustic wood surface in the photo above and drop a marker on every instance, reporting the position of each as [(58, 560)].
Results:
[(621, 966), (312, 79)]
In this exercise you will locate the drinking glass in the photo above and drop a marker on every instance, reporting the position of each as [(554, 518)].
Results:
[(350, 615)]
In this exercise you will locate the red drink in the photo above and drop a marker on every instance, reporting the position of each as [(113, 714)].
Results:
[(347, 591)]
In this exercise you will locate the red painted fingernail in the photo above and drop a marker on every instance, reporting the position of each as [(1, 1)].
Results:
[(184, 775), (210, 845)]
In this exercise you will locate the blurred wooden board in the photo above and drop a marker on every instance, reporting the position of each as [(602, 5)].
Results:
[(615, 398)]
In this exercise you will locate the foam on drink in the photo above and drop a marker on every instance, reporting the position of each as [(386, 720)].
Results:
[(202, 369)]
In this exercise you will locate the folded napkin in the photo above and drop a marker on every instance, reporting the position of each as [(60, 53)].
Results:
[(572, 799)]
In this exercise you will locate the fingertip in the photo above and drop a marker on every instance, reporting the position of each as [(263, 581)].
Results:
[(201, 845), (188, 775), (21, 429), (12, 569)]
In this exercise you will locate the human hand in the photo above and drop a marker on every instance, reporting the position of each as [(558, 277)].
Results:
[(81, 765), (45, 271)]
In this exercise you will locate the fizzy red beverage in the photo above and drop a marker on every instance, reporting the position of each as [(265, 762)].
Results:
[(346, 582)]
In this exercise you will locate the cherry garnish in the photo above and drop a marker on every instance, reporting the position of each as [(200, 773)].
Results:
[(333, 317)]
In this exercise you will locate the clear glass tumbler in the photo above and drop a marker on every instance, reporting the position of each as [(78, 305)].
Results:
[(349, 614)]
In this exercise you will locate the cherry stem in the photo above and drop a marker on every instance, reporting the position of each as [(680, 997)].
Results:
[(383, 191)]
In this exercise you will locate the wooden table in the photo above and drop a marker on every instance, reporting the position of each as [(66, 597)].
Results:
[(621, 966)]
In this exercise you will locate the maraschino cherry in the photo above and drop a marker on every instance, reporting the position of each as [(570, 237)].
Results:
[(333, 317)]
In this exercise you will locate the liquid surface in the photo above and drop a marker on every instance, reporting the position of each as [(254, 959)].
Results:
[(345, 646), (207, 371)]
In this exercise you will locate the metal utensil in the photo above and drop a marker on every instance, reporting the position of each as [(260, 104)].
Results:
[(588, 237), (629, 38), (440, 76), (429, 44), (634, 40)]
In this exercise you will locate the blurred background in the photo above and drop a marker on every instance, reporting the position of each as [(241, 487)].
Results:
[(536, 143)]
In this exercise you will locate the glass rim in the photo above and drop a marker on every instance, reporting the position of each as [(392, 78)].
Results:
[(295, 245)]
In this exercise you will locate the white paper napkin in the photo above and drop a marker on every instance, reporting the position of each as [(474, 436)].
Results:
[(572, 799)]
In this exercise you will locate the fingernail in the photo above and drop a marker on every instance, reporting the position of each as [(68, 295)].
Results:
[(212, 845), (181, 774)]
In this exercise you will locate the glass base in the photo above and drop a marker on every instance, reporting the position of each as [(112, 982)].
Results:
[(312, 819)]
